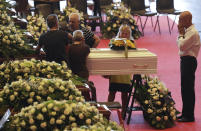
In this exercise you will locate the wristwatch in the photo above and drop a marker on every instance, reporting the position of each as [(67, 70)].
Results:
[(181, 36)]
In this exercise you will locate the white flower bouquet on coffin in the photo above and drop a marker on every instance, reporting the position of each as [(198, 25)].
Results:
[(36, 27), (22, 93), (23, 69), (58, 116), (4, 18), (157, 103), (5, 5), (12, 44)]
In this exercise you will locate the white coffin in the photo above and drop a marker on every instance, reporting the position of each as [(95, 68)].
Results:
[(104, 61)]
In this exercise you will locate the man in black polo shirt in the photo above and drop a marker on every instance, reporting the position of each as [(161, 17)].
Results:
[(91, 39), (54, 41)]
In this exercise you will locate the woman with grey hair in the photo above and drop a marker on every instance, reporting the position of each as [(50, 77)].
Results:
[(78, 53)]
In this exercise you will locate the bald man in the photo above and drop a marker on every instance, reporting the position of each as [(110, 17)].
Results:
[(189, 46), (91, 39)]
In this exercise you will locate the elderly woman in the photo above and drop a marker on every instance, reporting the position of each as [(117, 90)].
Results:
[(121, 83), (77, 54), (189, 46)]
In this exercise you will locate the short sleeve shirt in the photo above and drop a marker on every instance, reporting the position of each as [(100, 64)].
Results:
[(77, 55), (54, 44), (88, 36)]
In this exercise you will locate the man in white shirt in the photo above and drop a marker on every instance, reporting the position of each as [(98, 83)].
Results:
[(189, 45)]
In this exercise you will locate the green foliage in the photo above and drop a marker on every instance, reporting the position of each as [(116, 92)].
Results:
[(156, 102)]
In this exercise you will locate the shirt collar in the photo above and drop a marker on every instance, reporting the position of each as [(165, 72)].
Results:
[(190, 27)]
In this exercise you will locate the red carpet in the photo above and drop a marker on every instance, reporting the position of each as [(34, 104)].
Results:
[(165, 47)]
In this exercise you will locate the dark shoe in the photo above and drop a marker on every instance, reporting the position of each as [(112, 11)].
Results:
[(184, 119), (179, 117)]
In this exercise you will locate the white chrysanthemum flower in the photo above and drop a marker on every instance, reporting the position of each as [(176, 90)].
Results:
[(149, 111), (108, 28), (40, 87), (158, 103), (114, 25), (43, 125), (30, 100), (172, 113), (53, 113), (49, 98), (70, 97), (23, 123), (88, 121), (12, 98), (38, 98), (31, 121), (56, 129), (62, 88), (44, 109), (59, 121), (40, 117), (51, 89), (174, 118), (158, 118), (32, 94), (33, 128), (28, 88), (81, 116), (146, 102), (62, 117), (52, 121), (71, 118), (1, 100), (74, 124)]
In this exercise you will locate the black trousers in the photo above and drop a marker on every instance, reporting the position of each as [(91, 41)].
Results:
[(188, 65)]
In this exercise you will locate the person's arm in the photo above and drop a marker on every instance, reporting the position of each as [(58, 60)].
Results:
[(186, 42), (96, 42), (39, 46), (37, 50), (70, 36)]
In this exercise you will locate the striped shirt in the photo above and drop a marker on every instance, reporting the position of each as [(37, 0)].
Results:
[(88, 36)]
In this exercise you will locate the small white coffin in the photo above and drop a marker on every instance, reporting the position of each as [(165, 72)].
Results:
[(104, 61)]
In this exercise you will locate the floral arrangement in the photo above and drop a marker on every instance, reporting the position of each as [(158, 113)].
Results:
[(22, 93), (57, 115), (78, 81), (156, 102), (4, 18), (36, 26), (67, 11), (116, 16), (5, 5), (10, 35), (23, 69), (120, 44), (12, 44), (111, 126), (64, 17)]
